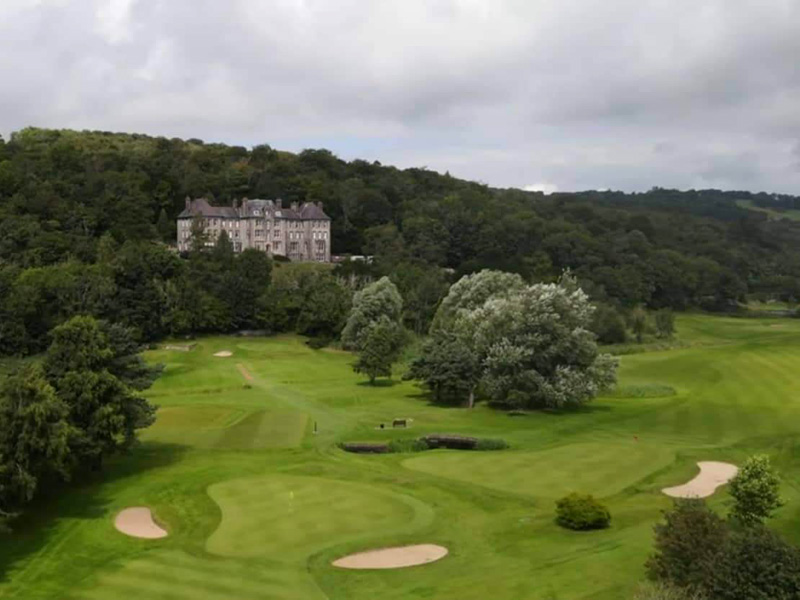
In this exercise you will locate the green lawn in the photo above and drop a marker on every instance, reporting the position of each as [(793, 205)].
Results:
[(257, 504)]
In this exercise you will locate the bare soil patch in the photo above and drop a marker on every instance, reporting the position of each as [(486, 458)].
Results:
[(138, 522), (223, 354), (245, 373), (712, 475), (393, 558)]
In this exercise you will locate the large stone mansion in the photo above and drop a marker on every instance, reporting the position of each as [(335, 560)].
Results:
[(301, 232)]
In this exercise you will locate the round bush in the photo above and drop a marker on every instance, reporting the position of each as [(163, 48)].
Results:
[(581, 512)]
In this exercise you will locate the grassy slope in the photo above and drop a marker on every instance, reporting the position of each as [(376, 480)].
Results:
[(775, 215), (257, 505)]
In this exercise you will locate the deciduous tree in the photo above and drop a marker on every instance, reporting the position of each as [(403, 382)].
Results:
[(686, 544), (380, 347), (449, 367), (755, 491), (103, 410), (537, 349), (378, 301), (35, 437)]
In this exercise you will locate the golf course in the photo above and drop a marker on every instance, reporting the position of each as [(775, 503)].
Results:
[(243, 471)]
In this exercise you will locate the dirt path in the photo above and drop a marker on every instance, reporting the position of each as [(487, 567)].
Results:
[(245, 373)]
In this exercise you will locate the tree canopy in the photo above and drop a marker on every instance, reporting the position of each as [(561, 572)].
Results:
[(529, 345), (376, 302), (84, 217)]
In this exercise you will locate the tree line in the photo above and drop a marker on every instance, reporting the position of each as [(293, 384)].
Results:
[(85, 216), (69, 412), (493, 336)]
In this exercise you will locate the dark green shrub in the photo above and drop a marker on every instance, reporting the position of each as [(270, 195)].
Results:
[(686, 543), (581, 512), (317, 343), (663, 591), (454, 442), (407, 446), (608, 325), (754, 563), (491, 444), (365, 447)]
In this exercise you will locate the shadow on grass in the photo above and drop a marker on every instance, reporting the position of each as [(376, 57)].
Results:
[(462, 404), (379, 383), (82, 498)]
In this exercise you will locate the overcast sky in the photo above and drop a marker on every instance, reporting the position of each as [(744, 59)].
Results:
[(543, 94)]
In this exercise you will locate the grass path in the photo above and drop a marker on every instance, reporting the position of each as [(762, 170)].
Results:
[(257, 505)]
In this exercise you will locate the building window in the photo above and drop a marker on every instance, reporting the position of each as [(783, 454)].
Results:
[(259, 233)]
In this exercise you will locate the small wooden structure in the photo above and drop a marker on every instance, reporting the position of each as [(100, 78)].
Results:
[(400, 423)]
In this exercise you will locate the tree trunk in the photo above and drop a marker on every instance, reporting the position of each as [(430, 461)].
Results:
[(471, 398)]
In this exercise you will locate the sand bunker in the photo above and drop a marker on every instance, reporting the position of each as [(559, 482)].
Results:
[(393, 558), (223, 354), (138, 522), (711, 476)]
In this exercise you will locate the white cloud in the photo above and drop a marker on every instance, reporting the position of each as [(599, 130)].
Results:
[(587, 93), (545, 188), (113, 20)]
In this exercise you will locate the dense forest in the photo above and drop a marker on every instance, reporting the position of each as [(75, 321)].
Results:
[(87, 218)]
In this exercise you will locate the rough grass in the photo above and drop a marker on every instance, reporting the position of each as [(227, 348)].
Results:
[(220, 465)]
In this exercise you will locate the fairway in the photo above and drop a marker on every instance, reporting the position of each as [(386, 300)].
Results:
[(258, 505), (598, 468)]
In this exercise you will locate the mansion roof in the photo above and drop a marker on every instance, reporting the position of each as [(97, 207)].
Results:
[(255, 208)]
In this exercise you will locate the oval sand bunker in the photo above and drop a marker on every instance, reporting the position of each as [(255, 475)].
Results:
[(711, 476), (138, 522), (393, 558), (223, 354)]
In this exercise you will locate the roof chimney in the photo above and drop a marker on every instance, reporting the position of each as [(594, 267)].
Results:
[(294, 206), (188, 202)]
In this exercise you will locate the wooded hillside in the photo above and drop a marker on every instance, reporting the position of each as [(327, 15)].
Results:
[(80, 212)]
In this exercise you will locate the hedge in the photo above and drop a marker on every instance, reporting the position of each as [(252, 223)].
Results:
[(428, 442)]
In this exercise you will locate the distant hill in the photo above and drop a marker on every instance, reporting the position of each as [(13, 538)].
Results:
[(61, 191)]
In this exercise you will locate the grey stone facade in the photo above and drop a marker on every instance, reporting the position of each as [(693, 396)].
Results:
[(301, 232)]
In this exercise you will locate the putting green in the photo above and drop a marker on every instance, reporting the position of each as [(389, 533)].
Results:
[(286, 516), (601, 468)]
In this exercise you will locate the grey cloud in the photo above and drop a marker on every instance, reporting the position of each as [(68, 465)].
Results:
[(571, 93)]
